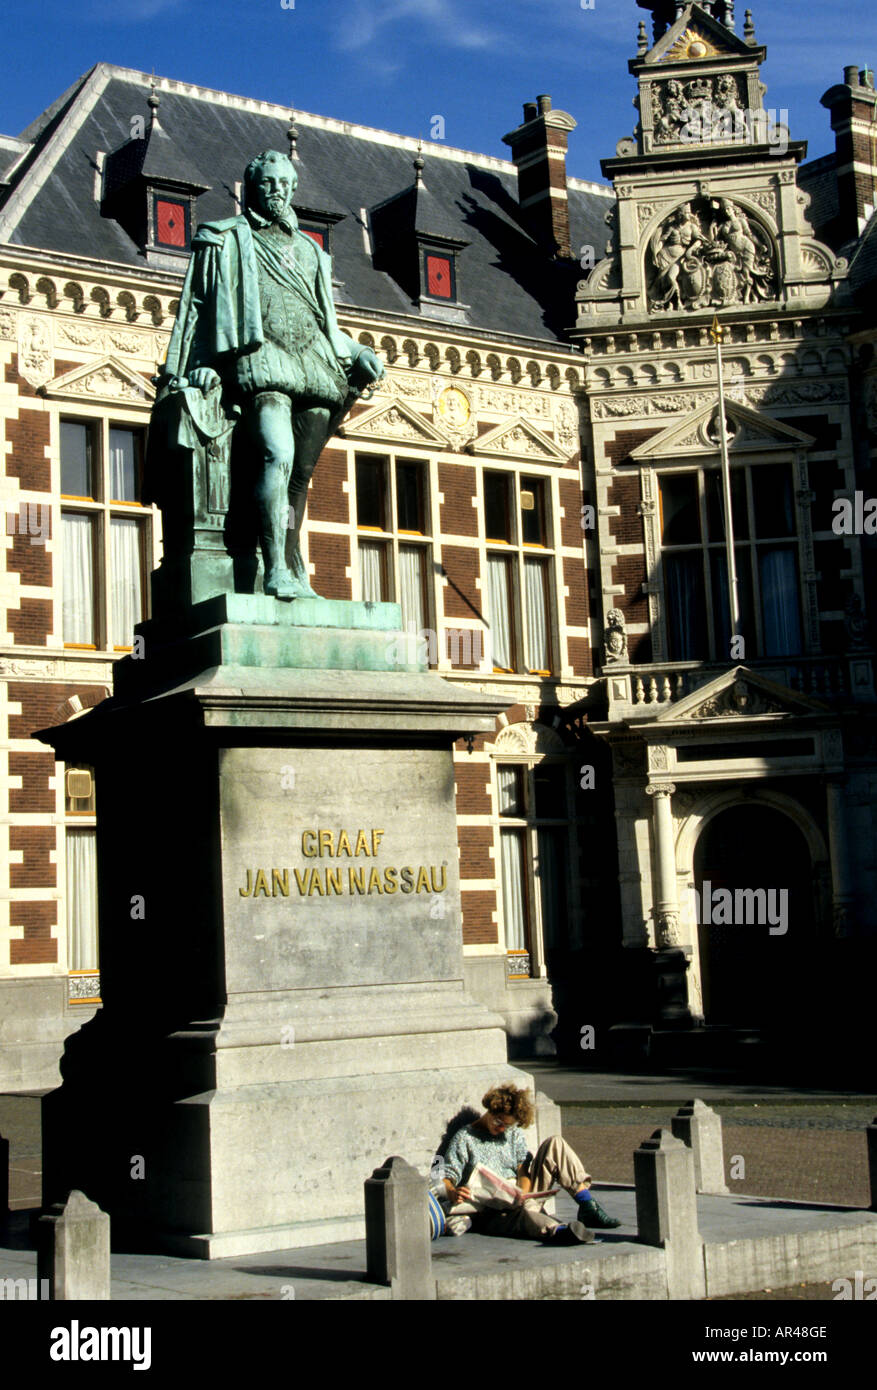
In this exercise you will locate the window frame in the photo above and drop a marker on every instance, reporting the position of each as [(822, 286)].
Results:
[(748, 550), (394, 538), (103, 509), (521, 550), (529, 824)]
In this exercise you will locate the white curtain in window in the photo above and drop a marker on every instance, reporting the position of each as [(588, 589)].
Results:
[(779, 602), (538, 649), (371, 571), (81, 900), (126, 596), (513, 890), (411, 567), (507, 788), (123, 477), (499, 603), (77, 565)]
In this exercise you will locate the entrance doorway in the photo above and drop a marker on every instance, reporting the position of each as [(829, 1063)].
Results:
[(751, 971)]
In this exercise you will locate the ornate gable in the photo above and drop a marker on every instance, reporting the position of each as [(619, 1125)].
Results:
[(694, 36), (392, 421), (749, 431), (518, 439), (107, 380), (740, 693)]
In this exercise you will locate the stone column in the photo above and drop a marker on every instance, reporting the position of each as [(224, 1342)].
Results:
[(838, 843), (665, 905), (397, 1231), (666, 1211)]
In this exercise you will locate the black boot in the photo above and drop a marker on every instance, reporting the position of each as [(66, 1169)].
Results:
[(592, 1214)]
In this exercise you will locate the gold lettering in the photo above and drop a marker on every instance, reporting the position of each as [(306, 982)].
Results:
[(361, 843), (261, 885), (245, 893), (374, 881), (316, 885), (307, 835), (333, 877), (438, 887), (327, 838), (390, 884), (344, 843), (356, 879), (377, 836), (422, 881), (304, 883), (407, 876), (280, 883)]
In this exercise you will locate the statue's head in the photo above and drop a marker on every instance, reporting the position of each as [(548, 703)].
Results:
[(270, 181)]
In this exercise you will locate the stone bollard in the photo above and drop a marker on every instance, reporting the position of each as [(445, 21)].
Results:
[(666, 1211), (701, 1129), (73, 1250), (871, 1133), (397, 1244)]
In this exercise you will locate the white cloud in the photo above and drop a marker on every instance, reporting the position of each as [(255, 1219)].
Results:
[(364, 23)]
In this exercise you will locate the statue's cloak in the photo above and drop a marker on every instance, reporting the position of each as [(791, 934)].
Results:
[(219, 315)]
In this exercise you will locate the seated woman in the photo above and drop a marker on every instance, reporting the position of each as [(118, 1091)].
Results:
[(496, 1141)]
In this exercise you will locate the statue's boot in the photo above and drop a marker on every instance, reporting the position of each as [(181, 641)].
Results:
[(278, 581), (298, 502)]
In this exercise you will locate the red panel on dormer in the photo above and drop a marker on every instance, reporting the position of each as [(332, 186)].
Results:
[(318, 237), (170, 223), (438, 277)]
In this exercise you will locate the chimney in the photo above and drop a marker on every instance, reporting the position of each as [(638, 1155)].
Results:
[(539, 155), (853, 108)]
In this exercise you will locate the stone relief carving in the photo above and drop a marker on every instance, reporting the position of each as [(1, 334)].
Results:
[(737, 699), (508, 402), (528, 738), (412, 385), (34, 350), (615, 637), (806, 392), (7, 323), (709, 253), (658, 758), (566, 426), (99, 336), (702, 110), (452, 410)]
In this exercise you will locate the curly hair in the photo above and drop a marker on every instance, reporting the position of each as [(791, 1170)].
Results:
[(256, 165), (510, 1101)]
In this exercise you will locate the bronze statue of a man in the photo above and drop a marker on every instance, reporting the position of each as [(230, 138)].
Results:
[(257, 316)]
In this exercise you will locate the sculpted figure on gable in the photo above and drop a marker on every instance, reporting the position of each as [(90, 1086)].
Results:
[(699, 111), (709, 254)]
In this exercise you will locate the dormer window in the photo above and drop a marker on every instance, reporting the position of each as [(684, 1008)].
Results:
[(150, 187), (171, 223), (439, 276)]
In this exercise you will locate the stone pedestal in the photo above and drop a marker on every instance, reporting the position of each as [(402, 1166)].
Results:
[(280, 938)]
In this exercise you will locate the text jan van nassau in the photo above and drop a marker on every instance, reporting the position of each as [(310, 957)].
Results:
[(324, 880)]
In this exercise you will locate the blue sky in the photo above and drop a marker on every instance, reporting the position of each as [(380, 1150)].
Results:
[(398, 63)]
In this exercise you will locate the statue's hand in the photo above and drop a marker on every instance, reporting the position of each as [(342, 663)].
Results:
[(204, 377), (371, 365)]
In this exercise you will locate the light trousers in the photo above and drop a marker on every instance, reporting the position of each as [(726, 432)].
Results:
[(554, 1164)]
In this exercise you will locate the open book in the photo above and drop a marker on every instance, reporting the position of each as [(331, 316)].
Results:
[(491, 1192)]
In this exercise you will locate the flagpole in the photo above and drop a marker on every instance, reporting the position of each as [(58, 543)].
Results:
[(717, 332)]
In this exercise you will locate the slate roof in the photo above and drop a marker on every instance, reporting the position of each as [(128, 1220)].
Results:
[(511, 287)]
